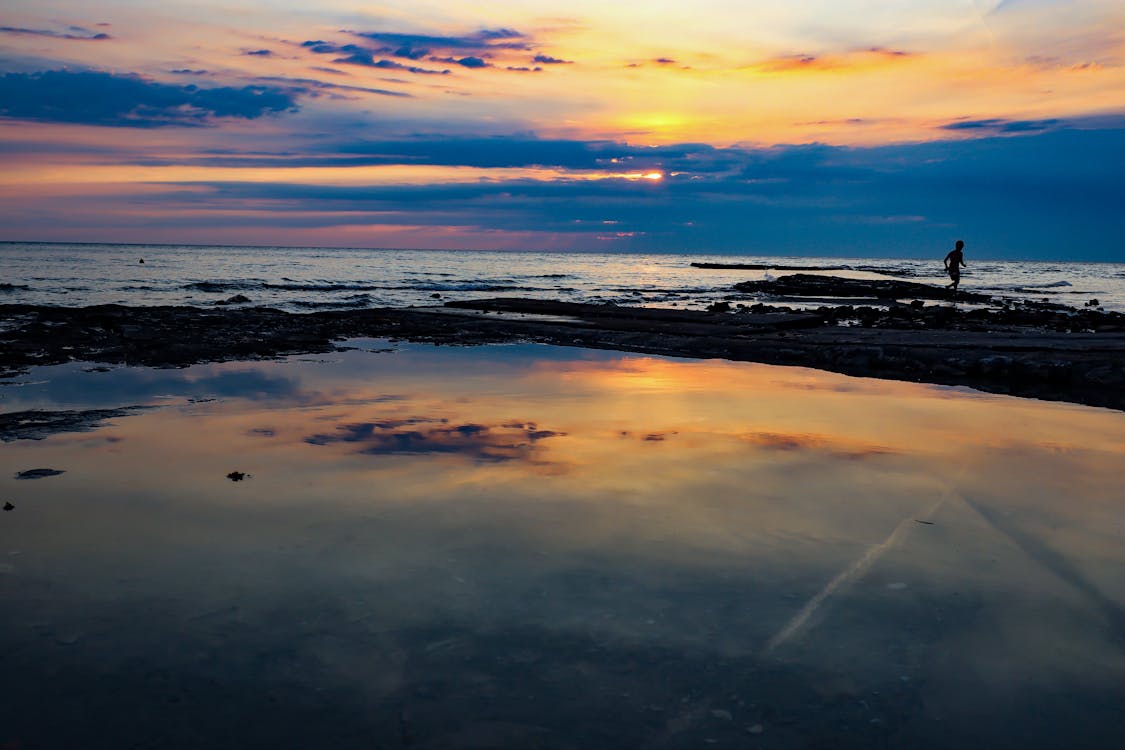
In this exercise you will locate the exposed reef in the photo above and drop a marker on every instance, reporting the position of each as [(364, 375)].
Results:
[(810, 285), (1030, 349)]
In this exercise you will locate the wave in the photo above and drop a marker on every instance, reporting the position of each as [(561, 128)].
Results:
[(767, 267), (1052, 285), (893, 271), (223, 287), (219, 287), (356, 300)]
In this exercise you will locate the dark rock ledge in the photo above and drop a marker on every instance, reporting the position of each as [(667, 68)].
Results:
[(37, 424), (1041, 351)]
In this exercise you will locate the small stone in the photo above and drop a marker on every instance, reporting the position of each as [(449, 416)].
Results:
[(236, 476), (39, 473), (9, 506), (435, 295), (755, 729)]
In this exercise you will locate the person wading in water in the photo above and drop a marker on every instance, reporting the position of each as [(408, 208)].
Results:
[(953, 263)]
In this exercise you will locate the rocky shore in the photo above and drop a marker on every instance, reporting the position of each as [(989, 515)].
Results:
[(1022, 348)]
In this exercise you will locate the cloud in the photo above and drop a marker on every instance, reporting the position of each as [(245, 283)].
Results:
[(74, 32), (354, 54), (310, 86), (859, 58), (475, 50), (1001, 126), (1010, 196), (259, 52), (416, 46), (548, 60), (466, 62), (125, 100)]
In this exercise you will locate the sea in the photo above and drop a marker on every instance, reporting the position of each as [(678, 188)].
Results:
[(310, 278)]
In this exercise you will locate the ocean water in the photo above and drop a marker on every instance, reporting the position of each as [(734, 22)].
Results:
[(303, 279)]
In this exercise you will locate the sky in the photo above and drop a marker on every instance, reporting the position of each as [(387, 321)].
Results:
[(825, 127)]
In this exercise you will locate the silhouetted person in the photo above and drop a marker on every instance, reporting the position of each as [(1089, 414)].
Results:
[(953, 263)]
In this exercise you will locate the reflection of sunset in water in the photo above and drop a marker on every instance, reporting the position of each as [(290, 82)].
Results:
[(879, 530)]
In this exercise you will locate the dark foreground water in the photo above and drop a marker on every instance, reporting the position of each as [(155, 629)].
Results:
[(528, 547)]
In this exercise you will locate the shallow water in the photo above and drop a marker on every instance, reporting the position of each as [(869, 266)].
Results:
[(526, 546), (305, 279)]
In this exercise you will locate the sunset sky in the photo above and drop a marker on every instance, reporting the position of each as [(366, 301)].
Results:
[(867, 127)]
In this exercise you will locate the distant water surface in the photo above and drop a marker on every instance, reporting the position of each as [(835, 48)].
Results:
[(303, 279), (527, 546)]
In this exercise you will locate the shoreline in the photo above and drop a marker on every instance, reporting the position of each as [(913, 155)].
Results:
[(1034, 350)]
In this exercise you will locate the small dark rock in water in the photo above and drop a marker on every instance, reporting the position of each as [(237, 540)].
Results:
[(716, 307), (237, 299), (142, 260), (39, 473), (1093, 303), (435, 295), (236, 476), (9, 506)]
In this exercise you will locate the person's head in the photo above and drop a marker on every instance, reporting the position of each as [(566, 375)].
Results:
[(960, 244)]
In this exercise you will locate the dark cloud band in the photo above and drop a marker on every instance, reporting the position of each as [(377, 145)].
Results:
[(100, 98)]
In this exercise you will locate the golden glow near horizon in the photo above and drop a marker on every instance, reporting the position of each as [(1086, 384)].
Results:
[(718, 73)]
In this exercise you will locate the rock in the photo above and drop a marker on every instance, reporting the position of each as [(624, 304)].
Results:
[(435, 295), (39, 473), (237, 299), (9, 506), (1093, 303), (996, 365), (236, 476), (718, 307), (810, 285), (37, 424)]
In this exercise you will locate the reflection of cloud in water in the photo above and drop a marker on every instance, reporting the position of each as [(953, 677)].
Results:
[(133, 384), (819, 443), (504, 442)]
